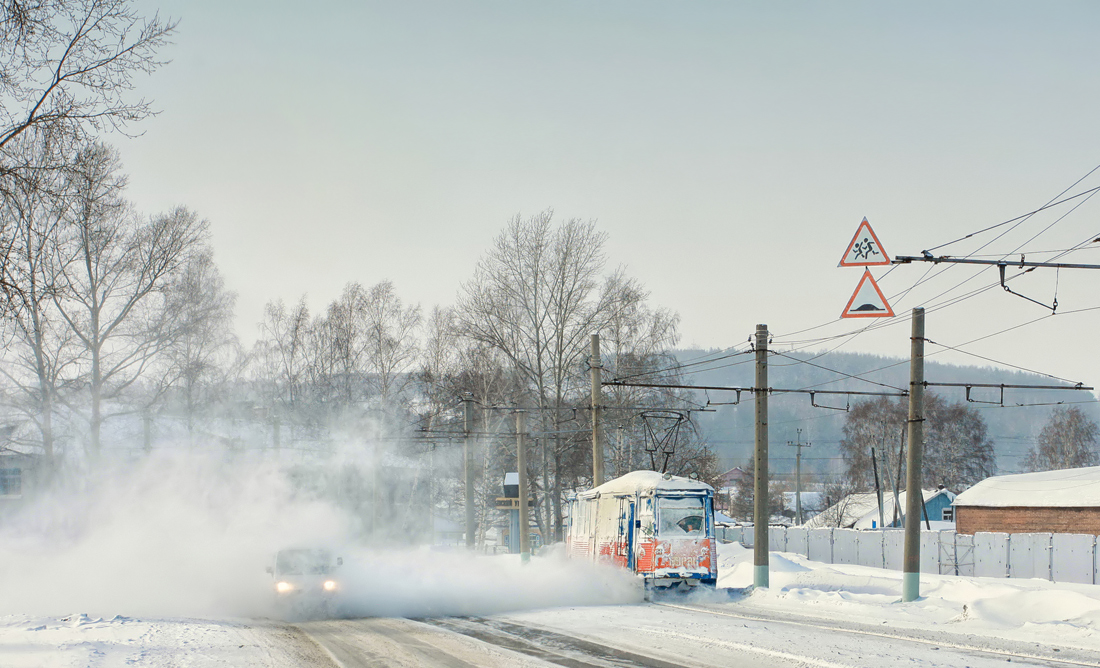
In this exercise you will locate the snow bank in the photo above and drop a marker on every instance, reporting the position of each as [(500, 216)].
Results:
[(1018, 609)]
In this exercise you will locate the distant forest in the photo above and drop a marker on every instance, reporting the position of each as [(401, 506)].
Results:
[(729, 429)]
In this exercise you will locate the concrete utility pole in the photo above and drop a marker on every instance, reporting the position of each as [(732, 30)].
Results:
[(798, 475), (760, 492), (597, 438), (521, 464), (910, 584), (468, 460)]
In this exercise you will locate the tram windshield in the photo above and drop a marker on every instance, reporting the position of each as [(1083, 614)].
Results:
[(682, 516)]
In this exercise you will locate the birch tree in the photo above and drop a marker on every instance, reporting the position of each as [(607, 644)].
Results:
[(1066, 441), (32, 213), (112, 279), (536, 297), (199, 354)]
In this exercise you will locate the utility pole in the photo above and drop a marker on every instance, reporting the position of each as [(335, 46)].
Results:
[(760, 493), (878, 492), (521, 464), (596, 366), (798, 475), (468, 459), (910, 584)]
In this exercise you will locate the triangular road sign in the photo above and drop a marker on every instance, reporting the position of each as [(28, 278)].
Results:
[(867, 301), (865, 250)]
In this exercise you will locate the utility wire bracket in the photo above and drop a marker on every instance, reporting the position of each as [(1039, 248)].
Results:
[(723, 403), (847, 404), (1000, 403), (1002, 266)]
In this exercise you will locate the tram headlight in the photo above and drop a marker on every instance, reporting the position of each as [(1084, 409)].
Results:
[(329, 585), (283, 587)]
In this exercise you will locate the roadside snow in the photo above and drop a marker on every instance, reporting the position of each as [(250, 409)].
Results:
[(76, 641), (1019, 609)]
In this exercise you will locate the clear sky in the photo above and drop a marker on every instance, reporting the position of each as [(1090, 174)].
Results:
[(730, 150)]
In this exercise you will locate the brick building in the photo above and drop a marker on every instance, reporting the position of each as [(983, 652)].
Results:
[(1066, 501)]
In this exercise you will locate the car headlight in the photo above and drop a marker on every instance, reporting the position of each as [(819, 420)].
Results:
[(283, 587), (330, 585)]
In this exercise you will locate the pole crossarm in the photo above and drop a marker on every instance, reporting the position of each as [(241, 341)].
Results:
[(769, 390), (1005, 386), (946, 259)]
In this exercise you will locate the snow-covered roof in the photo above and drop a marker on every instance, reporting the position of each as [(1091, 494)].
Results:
[(1068, 488), (861, 510), (643, 481), (511, 478)]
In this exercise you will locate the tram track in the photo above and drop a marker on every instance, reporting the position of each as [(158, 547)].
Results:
[(550, 646), (1052, 656)]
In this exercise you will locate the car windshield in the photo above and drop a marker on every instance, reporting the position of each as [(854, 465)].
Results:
[(682, 516), (303, 562)]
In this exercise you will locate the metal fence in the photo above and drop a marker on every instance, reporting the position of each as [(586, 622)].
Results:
[(1059, 557)]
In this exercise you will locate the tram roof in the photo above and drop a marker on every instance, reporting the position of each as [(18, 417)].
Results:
[(637, 482)]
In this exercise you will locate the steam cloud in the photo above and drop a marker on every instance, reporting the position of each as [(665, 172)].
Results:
[(189, 533)]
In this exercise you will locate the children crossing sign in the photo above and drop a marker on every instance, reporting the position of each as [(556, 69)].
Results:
[(867, 301), (865, 250)]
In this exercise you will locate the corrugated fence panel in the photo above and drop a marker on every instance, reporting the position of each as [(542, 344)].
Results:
[(819, 547), (777, 539), (964, 554), (1073, 557), (870, 549), (1029, 555), (930, 552), (893, 542), (991, 555), (846, 546), (747, 534), (796, 540)]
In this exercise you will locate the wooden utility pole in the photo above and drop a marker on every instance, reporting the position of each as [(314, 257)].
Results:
[(760, 493), (878, 492), (468, 460), (597, 438), (910, 584), (798, 475), (521, 464)]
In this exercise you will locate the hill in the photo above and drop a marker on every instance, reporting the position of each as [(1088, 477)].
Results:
[(1013, 427)]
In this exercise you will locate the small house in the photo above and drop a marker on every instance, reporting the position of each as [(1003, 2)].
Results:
[(861, 511), (1065, 501)]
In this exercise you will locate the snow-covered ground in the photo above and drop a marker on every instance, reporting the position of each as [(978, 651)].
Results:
[(1018, 609), (1037, 611), (78, 641)]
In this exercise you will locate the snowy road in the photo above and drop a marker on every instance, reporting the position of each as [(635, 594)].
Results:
[(664, 636)]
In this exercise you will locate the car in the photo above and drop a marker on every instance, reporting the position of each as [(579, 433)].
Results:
[(306, 581)]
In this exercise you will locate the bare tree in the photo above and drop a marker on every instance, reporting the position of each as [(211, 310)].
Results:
[(1067, 441), (536, 297), (957, 449), (113, 278), (67, 71), (390, 339), (198, 355), (840, 508), (32, 214), (68, 66), (282, 353)]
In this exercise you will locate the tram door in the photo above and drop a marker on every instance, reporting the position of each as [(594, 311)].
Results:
[(630, 534), (624, 542)]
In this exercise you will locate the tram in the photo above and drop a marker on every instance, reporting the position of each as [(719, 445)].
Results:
[(657, 525)]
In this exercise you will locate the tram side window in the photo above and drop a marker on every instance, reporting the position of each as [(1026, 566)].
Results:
[(682, 516)]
